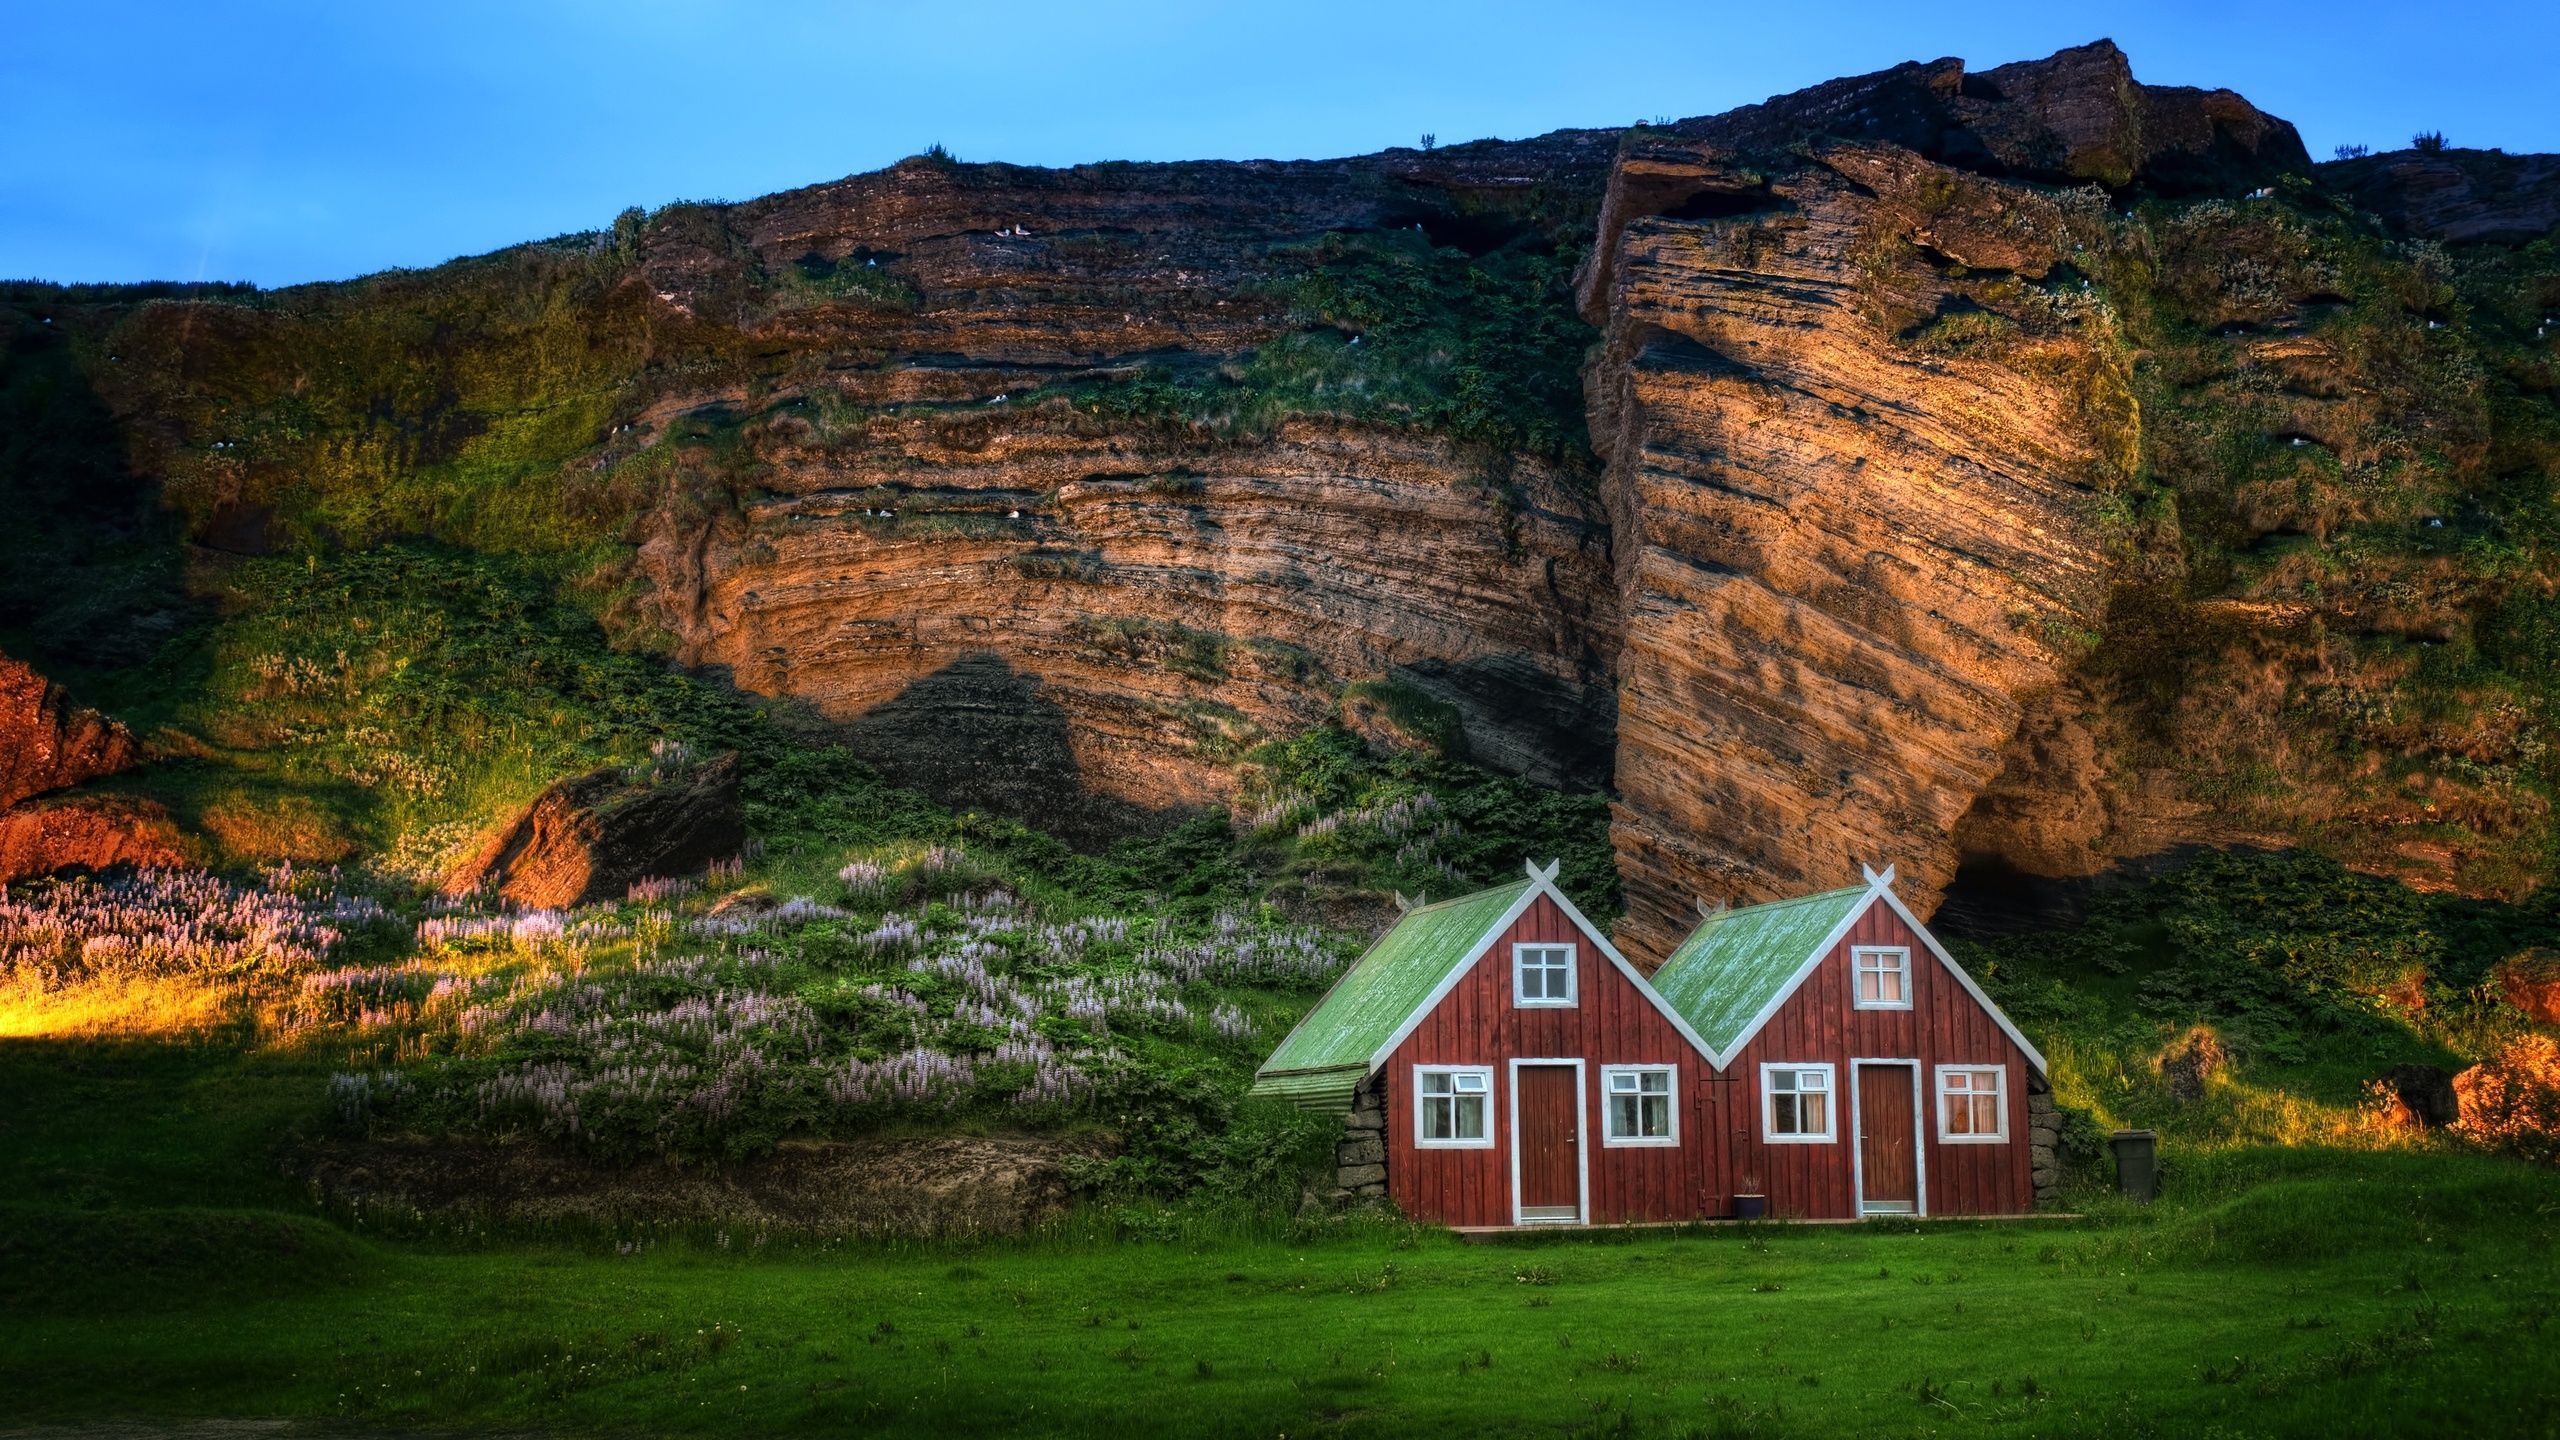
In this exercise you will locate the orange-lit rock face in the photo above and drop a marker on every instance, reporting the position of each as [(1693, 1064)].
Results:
[(85, 832), (1122, 640), (1022, 605), (47, 743), (1843, 560)]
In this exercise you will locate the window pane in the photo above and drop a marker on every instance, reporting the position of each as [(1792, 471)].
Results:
[(1470, 1118), (1782, 1114), (1959, 1120), (1817, 1115), (1782, 1080), (1813, 1079), (1623, 1122), (1657, 1116), (1986, 1115), (1435, 1119), (1469, 1084), (1435, 1082)]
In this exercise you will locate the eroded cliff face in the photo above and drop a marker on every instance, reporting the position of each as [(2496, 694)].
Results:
[(1023, 593), (1853, 543), (1938, 462), (1843, 562)]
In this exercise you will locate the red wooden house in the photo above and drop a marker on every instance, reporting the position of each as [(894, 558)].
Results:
[(1500, 1063)]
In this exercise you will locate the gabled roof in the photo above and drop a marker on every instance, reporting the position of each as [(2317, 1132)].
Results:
[(1733, 966), (1388, 991), (1372, 1000), (1734, 971)]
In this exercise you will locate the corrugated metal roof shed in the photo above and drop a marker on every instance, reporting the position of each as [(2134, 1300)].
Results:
[(1329, 1052), (1734, 963)]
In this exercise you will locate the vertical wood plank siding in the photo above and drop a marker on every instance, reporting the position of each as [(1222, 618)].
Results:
[(1612, 1023), (1821, 1023)]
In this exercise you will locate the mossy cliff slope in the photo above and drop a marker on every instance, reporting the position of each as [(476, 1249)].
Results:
[(1929, 465)]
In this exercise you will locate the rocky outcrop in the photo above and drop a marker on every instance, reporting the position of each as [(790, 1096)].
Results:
[(2530, 981), (1022, 603), (85, 832), (1845, 562), (2455, 196), (1859, 427), (47, 743), (595, 836)]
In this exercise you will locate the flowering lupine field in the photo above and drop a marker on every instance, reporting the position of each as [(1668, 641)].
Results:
[(685, 1020)]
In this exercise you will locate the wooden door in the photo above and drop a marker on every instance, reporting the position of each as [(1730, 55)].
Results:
[(1548, 1138), (1888, 1141)]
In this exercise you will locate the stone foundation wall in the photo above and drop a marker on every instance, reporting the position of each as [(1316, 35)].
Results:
[(1360, 1157), (2044, 1136)]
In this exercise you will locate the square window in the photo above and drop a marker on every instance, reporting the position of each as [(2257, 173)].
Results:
[(1638, 1107), (1542, 974), (1795, 1103), (1883, 976), (1452, 1106), (1973, 1104)]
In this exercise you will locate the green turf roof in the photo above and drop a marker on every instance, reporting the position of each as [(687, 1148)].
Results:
[(1374, 998), (1735, 962)]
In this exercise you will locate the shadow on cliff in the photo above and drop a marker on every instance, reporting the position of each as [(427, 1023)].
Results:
[(1992, 897), (979, 734)]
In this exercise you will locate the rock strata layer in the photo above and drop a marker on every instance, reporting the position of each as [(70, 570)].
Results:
[(1843, 564)]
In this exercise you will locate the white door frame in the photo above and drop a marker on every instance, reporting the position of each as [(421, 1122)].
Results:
[(1581, 1146), (1858, 1144)]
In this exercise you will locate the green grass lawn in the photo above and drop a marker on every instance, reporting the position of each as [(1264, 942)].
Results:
[(157, 1264)]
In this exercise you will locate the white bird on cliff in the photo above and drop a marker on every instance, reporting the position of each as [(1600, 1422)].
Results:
[(1013, 514)]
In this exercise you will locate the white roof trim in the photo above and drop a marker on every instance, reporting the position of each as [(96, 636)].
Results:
[(2034, 1056), (1879, 887), (1477, 948), (1543, 882), (1804, 971), (1634, 976)]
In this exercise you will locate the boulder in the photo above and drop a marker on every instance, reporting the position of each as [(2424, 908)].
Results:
[(2530, 981), (85, 832), (47, 743), (2426, 1094), (2076, 115), (595, 836)]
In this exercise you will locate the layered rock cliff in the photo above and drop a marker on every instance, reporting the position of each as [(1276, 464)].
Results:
[(1893, 471)]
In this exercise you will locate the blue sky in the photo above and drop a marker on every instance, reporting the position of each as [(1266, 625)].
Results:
[(299, 141)]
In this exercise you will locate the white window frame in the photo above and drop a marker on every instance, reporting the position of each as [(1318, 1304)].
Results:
[(1609, 1135), (1830, 1110), (1572, 975), (1857, 974), (2001, 1109), (1421, 1137)]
